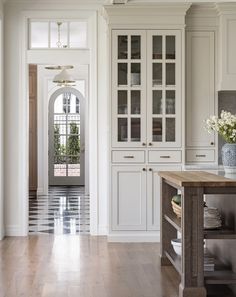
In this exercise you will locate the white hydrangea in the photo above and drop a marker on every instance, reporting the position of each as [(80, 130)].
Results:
[(225, 125)]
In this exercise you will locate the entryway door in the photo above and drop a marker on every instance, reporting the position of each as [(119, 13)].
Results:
[(66, 138)]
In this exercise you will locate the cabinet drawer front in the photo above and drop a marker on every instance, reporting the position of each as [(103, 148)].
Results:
[(200, 156), (128, 156), (164, 156)]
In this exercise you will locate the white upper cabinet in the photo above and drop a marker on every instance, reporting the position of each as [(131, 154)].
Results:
[(129, 88), (227, 46), (164, 88), (146, 88), (200, 86)]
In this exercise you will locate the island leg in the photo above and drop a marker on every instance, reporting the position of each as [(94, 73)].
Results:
[(192, 274), (168, 232)]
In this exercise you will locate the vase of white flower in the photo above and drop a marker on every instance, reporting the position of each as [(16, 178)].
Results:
[(225, 126), (229, 157)]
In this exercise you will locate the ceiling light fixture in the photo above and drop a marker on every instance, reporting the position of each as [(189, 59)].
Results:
[(59, 44), (63, 77), (59, 67)]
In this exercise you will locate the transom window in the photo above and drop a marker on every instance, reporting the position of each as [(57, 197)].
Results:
[(57, 34)]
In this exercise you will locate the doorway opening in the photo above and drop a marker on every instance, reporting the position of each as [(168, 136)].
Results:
[(66, 138), (58, 155)]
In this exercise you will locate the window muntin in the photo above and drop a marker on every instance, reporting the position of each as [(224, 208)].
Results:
[(57, 34)]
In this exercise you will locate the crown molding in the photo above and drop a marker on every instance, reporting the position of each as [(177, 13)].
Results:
[(201, 16), (151, 13), (226, 8), (78, 2)]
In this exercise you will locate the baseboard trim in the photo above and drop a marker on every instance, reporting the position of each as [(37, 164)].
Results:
[(134, 237), (2, 234), (13, 230), (102, 230)]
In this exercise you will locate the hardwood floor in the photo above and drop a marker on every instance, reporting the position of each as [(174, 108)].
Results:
[(82, 266)]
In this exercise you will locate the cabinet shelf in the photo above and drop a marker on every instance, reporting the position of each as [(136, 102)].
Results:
[(221, 275), (223, 233), (174, 221), (174, 259)]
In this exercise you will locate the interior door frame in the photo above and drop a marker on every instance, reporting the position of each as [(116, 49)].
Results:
[(22, 228), (76, 181)]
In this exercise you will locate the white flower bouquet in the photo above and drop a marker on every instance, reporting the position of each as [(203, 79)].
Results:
[(225, 126)]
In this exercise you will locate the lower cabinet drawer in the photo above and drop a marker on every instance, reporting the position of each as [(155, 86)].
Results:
[(164, 157), (128, 156), (200, 156)]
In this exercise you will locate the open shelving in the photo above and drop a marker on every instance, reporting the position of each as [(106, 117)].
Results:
[(193, 186)]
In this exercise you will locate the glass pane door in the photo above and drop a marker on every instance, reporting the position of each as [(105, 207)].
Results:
[(163, 88), (66, 143), (128, 88)]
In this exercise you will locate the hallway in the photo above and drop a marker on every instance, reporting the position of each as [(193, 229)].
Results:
[(64, 211)]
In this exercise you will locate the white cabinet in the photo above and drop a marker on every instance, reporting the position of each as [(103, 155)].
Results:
[(136, 197), (164, 88), (146, 88), (227, 46), (129, 198), (128, 88), (200, 86)]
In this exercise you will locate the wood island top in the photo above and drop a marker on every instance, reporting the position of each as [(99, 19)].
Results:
[(197, 179)]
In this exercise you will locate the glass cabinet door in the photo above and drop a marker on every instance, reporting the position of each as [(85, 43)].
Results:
[(128, 88), (163, 88)]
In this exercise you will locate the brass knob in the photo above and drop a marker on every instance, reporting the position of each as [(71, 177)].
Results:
[(150, 144), (144, 169)]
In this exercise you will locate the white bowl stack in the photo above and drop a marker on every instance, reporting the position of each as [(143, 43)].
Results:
[(212, 218)]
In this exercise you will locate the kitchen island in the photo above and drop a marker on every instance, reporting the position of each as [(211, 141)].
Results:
[(192, 185)]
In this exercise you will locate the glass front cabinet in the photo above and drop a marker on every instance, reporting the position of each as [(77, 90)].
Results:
[(146, 88)]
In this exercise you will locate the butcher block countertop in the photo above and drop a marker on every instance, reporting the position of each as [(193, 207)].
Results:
[(198, 179)]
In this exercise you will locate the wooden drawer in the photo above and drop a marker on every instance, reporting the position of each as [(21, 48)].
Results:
[(200, 156), (164, 157), (128, 156)]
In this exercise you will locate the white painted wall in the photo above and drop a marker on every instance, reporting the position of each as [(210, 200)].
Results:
[(16, 123), (1, 126), (103, 127)]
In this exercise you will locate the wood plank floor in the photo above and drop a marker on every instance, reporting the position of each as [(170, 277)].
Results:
[(82, 266)]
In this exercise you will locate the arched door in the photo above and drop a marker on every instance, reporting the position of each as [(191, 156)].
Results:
[(66, 137)]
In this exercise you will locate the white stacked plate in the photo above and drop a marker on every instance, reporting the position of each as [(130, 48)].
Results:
[(212, 218)]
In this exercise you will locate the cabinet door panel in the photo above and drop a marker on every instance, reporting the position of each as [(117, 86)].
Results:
[(153, 195), (164, 88), (128, 88), (200, 87), (128, 198)]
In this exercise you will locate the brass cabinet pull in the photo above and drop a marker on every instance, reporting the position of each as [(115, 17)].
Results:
[(128, 157), (201, 156), (165, 157)]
